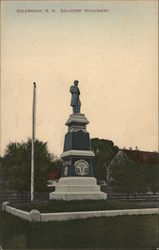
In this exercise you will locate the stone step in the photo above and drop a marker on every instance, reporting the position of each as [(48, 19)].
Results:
[(78, 196), (77, 188), (77, 181)]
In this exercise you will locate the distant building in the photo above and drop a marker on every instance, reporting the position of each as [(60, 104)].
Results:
[(139, 157), (53, 175), (142, 157)]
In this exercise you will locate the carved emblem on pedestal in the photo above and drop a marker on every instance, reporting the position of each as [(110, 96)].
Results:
[(81, 167), (66, 171)]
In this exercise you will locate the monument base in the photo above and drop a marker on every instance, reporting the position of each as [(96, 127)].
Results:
[(77, 188)]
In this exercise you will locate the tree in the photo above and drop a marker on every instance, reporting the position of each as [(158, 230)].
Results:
[(152, 177), (17, 166), (104, 151), (128, 176), (1, 181)]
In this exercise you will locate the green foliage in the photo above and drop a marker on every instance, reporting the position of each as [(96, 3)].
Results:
[(17, 166), (104, 151), (152, 177), (127, 177), (130, 177), (1, 182)]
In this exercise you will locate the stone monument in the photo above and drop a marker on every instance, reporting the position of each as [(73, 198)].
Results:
[(77, 181)]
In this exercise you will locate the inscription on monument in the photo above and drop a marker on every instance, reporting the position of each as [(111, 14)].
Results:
[(65, 163), (81, 167)]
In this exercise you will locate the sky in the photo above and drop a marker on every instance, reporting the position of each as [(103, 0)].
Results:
[(113, 53)]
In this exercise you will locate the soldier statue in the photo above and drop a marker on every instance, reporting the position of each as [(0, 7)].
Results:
[(75, 101)]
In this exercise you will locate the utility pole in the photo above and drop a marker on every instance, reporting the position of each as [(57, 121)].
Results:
[(33, 140)]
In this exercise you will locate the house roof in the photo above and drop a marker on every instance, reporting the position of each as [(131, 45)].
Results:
[(142, 157)]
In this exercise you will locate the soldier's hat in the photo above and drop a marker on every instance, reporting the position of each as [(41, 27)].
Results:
[(76, 81)]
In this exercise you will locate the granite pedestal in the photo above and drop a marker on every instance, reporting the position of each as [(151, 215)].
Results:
[(77, 181)]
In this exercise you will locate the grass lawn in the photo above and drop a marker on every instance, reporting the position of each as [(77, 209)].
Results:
[(85, 205), (128, 232)]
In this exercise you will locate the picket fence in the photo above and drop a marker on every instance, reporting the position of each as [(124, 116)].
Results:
[(25, 197), (22, 196), (133, 197)]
